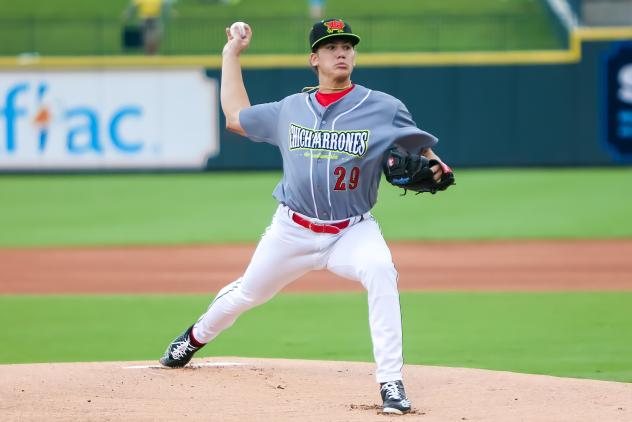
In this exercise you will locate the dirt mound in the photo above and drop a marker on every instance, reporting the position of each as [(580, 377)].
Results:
[(236, 389)]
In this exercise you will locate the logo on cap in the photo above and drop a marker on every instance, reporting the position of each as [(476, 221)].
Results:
[(334, 26)]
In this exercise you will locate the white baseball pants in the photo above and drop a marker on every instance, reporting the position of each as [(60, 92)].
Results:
[(287, 251)]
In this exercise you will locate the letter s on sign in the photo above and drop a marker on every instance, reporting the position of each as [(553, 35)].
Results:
[(625, 79)]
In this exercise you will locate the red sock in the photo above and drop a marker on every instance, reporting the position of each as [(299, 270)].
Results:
[(194, 341)]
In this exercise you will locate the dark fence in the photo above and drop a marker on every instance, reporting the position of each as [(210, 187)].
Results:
[(507, 115), (576, 7), (103, 36)]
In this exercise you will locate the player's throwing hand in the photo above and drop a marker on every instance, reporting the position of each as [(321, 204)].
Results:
[(238, 38)]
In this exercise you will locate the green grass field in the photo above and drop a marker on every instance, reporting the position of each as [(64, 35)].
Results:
[(142, 209), (566, 334), (582, 335), (93, 26)]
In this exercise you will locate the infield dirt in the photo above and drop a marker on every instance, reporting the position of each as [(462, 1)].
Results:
[(295, 390), (525, 265)]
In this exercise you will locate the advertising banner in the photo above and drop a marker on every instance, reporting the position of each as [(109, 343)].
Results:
[(617, 121), (107, 119)]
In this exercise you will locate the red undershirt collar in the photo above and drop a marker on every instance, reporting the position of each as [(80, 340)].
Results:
[(326, 99)]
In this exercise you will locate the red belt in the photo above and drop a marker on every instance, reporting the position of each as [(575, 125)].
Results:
[(333, 228)]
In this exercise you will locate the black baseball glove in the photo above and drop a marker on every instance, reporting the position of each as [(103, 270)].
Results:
[(413, 172)]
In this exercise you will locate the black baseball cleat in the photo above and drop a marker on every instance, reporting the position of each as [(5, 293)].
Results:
[(394, 397), (180, 351)]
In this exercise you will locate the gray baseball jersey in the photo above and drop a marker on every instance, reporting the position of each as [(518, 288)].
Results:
[(332, 156)]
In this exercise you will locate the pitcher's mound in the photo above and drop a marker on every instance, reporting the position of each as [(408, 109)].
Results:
[(271, 390)]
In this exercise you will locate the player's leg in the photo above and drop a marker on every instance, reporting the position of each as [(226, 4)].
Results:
[(274, 264), (362, 254), (283, 254)]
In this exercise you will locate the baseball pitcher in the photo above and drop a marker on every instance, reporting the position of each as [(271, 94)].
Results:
[(336, 140)]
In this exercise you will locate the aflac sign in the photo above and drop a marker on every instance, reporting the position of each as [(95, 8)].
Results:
[(107, 119)]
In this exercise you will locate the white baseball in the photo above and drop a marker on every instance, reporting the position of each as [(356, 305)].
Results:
[(238, 30)]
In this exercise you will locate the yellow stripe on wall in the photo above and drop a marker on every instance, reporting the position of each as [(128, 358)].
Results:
[(604, 33), (570, 55)]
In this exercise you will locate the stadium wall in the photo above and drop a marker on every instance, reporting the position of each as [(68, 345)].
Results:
[(484, 115), (488, 109)]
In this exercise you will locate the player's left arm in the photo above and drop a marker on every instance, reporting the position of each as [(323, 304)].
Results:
[(437, 169), (417, 141)]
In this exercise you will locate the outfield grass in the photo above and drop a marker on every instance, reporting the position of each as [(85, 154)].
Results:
[(144, 209), (94, 26), (583, 335)]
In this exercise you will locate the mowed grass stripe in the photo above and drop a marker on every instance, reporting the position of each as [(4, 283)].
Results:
[(165, 209), (565, 334)]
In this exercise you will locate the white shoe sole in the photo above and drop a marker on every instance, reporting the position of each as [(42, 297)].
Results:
[(392, 411)]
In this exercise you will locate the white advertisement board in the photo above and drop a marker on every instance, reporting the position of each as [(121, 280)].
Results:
[(107, 119)]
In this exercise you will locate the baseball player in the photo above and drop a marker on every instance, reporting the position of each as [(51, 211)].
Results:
[(332, 141)]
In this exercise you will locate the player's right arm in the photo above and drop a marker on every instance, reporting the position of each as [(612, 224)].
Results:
[(233, 95)]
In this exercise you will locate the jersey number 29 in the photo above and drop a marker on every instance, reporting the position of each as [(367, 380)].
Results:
[(354, 178)]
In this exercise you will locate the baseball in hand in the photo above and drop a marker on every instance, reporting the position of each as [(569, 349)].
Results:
[(238, 30)]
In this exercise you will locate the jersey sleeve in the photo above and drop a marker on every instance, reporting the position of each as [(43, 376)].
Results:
[(260, 122), (407, 135)]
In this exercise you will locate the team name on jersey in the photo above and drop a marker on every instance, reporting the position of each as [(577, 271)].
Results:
[(351, 142)]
